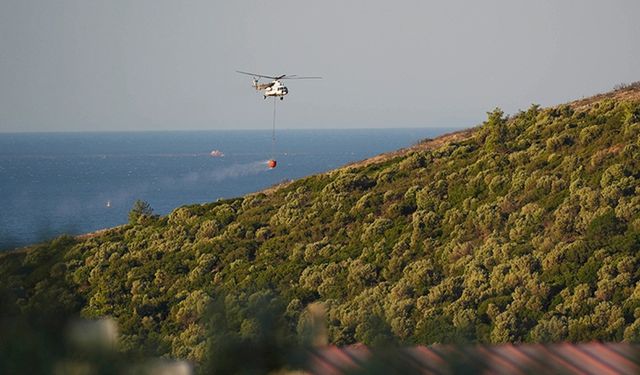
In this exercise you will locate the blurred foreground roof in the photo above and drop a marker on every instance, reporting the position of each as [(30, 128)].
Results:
[(564, 358)]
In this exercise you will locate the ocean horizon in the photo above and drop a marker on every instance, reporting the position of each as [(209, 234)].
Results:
[(79, 182)]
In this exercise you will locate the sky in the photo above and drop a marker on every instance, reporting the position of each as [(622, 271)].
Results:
[(114, 65)]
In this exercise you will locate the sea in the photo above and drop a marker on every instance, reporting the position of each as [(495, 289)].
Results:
[(74, 183)]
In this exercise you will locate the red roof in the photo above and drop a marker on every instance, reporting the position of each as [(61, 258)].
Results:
[(566, 358)]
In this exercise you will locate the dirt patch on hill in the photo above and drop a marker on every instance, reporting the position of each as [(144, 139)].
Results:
[(97, 233), (628, 93)]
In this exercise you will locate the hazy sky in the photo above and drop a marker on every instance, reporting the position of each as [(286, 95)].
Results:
[(165, 64)]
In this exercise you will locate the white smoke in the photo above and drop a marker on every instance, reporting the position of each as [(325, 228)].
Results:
[(189, 179), (232, 171)]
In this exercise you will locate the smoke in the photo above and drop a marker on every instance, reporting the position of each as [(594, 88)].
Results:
[(125, 196), (130, 193), (232, 171)]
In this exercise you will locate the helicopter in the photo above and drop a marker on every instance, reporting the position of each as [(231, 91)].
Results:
[(274, 88)]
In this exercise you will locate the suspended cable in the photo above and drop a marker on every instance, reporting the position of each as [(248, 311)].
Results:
[(272, 162), (273, 131)]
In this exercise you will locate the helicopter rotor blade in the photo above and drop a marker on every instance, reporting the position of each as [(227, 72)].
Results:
[(255, 75), (296, 77), (276, 78)]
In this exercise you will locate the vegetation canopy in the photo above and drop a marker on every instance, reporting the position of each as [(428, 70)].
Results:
[(525, 229)]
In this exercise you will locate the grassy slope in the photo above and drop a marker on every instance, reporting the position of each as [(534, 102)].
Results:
[(523, 229)]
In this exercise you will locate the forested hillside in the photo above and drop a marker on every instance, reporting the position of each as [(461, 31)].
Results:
[(524, 229)]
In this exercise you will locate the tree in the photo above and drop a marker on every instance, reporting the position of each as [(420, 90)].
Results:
[(140, 209), (498, 133)]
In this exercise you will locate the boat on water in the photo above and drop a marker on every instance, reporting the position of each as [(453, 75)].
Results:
[(216, 154)]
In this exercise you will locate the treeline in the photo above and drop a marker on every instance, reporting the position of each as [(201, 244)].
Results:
[(526, 231)]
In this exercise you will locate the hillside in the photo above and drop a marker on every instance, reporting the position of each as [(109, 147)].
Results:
[(524, 229)]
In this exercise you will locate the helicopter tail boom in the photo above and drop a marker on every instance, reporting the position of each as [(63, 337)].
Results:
[(261, 86)]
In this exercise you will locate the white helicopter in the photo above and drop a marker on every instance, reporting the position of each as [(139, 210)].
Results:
[(274, 88)]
